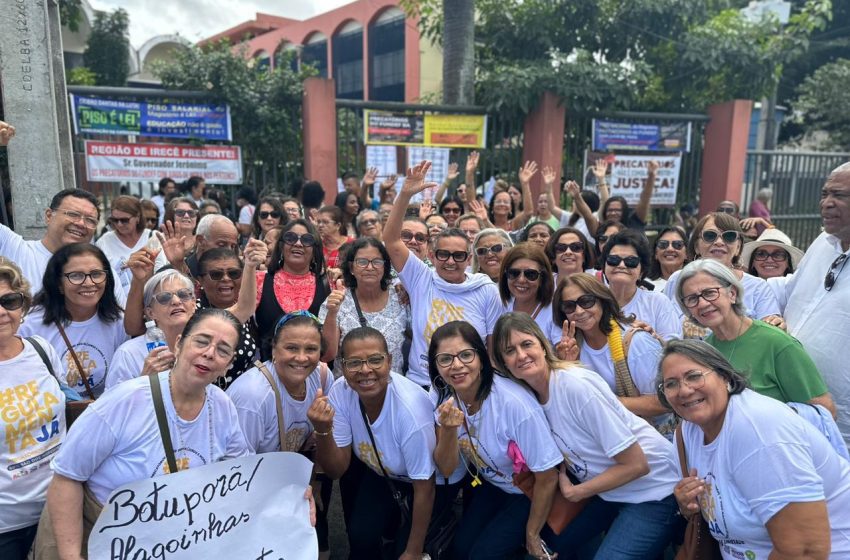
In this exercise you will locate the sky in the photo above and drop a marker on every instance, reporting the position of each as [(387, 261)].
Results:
[(197, 19)]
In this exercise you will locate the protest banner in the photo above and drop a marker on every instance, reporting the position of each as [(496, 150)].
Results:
[(119, 162), (393, 129), (246, 509), (384, 159), (171, 120), (615, 135), (629, 174), (442, 131), (456, 131)]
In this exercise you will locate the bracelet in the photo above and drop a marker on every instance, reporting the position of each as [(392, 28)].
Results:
[(318, 433)]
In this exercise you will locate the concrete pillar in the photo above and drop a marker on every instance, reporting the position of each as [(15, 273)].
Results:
[(725, 153), (319, 124), (33, 87), (544, 138)]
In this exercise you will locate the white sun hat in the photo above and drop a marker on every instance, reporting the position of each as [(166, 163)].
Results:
[(771, 237)]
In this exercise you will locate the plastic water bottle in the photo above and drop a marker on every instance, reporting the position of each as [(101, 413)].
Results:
[(154, 337)]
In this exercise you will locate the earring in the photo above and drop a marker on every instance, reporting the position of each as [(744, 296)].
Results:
[(440, 383), (728, 387), (22, 320)]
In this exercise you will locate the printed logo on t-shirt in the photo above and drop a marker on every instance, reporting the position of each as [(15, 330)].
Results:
[(442, 312), (479, 457), (367, 455), (711, 505), (32, 427), (93, 361), (294, 438), (185, 457), (574, 461)]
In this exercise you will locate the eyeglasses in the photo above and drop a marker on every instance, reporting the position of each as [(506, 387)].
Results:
[(450, 210), (530, 274), (445, 359), (369, 222), (726, 210), (575, 247), (266, 215), (602, 239), (728, 236), (290, 316), (152, 220), (663, 244), (568, 306), (97, 276), (123, 221), (693, 379), (495, 249), (183, 294), (408, 236), (202, 342), (458, 256), (631, 261), (90, 222), (291, 238), (762, 255), (325, 222), (218, 275), (373, 362), (12, 301), (708, 294), (363, 263), (185, 213), (832, 276)]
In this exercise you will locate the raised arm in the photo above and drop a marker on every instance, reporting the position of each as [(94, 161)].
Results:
[(254, 255), (600, 170), (582, 208), (642, 208), (471, 166), (525, 174), (141, 265), (414, 183), (549, 180), (368, 182), (450, 176)]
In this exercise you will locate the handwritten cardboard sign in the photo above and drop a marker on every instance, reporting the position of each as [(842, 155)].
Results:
[(248, 508)]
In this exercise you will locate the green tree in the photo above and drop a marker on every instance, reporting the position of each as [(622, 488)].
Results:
[(265, 106), (824, 103), (70, 12), (80, 76), (108, 48)]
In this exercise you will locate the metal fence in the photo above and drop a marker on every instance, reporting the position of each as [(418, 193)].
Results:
[(796, 179), (501, 158), (578, 140)]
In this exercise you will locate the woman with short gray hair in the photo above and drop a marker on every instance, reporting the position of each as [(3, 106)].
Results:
[(488, 249), (776, 364)]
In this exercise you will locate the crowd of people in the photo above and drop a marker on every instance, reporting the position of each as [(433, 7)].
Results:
[(426, 355)]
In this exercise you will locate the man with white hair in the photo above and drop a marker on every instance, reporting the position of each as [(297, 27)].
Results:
[(818, 295), (214, 230)]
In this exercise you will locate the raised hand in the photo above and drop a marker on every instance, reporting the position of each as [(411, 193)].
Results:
[(141, 264), (453, 172), (687, 493), (159, 359), (652, 166), (335, 298), (600, 169), (450, 416), (255, 253), (389, 182), (334, 274), (549, 175), (478, 209), (173, 244), (568, 348), (414, 180), (321, 413), (426, 208), (572, 189), (472, 161), (527, 171), (370, 176), (750, 223), (7, 131)]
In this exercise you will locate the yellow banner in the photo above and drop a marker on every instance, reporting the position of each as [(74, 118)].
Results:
[(455, 131)]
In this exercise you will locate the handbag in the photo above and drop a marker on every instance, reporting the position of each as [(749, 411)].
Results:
[(698, 543), (73, 409)]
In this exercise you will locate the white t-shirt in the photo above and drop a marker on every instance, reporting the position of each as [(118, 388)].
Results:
[(127, 362), (159, 200), (544, 320), (255, 404), (434, 302), (643, 355), (246, 214), (509, 413), (766, 457), (94, 342), (404, 431), (118, 254), (656, 310), (590, 426), (32, 408), (580, 224), (117, 441), (758, 297)]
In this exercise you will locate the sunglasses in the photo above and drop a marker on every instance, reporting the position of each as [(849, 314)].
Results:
[(728, 236), (777, 256), (602, 239), (266, 215), (291, 238), (586, 301), (11, 302), (408, 236), (726, 210), (369, 222), (122, 221), (631, 261), (448, 210), (575, 247), (444, 255), (663, 244), (183, 294), (217, 275), (185, 213), (530, 274), (495, 249), (832, 276)]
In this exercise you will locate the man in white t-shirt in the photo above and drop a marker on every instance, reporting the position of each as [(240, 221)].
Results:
[(442, 294), (818, 295)]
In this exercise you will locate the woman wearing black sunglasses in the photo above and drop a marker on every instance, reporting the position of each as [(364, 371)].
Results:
[(570, 252), (526, 285), (269, 214), (26, 377), (596, 332), (668, 256)]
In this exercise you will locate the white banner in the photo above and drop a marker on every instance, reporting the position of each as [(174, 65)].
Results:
[(245, 509), (116, 162), (629, 173), (384, 159)]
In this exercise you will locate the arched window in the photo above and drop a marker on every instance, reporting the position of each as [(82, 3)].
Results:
[(315, 53), (386, 56), (348, 61)]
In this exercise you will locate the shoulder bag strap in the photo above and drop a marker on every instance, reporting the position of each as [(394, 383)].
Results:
[(363, 322), (76, 360), (277, 402), (396, 494), (41, 354), (680, 445), (162, 422)]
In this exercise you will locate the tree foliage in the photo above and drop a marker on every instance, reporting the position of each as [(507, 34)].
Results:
[(108, 48), (265, 106), (824, 102), (70, 12), (80, 76)]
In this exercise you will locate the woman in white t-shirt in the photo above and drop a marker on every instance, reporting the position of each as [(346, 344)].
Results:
[(386, 421), (34, 414), (569, 252), (78, 298), (297, 375), (625, 261), (479, 416), (766, 482), (616, 459), (128, 235), (526, 285), (595, 331)]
